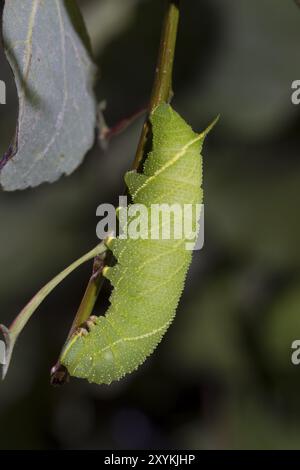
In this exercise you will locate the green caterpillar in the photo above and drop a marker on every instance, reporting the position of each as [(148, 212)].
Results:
[(149, 274)]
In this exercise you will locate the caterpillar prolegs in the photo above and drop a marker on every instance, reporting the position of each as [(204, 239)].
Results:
[(149, 274)]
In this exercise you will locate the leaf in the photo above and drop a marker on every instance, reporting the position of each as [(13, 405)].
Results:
[(54, 75)]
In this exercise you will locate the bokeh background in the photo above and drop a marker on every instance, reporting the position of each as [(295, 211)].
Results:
[(222, 378)]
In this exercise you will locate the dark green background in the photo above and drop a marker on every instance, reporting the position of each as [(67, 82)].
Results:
[(222, 377)]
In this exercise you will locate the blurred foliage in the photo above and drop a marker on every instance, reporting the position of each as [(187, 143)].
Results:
[(222, 377)]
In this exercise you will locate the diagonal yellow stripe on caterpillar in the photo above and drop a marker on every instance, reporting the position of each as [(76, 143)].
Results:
[(178, 155), (115, 343)]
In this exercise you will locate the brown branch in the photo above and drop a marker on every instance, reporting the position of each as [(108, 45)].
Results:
[(162, 87)]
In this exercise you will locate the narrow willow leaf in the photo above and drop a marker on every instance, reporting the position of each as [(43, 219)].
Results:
[(47, 48), (149, 276)]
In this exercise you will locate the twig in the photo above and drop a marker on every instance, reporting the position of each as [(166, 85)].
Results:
[(162, 87), (59, 374)]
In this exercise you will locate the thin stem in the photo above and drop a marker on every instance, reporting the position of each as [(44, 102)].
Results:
[(59, 374), (91, 293), (162, 87)]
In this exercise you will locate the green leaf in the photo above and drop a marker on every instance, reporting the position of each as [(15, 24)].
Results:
[(47, 47)]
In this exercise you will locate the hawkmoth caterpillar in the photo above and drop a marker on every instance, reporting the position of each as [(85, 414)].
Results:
[(149, 274)]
